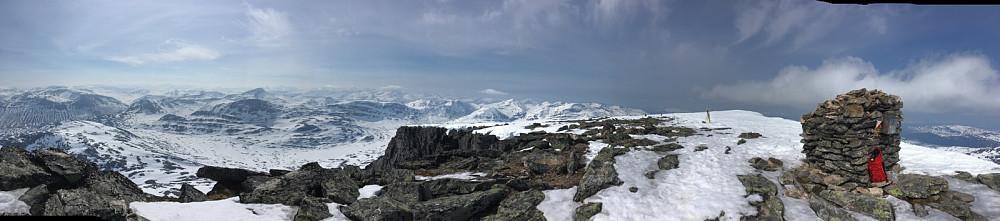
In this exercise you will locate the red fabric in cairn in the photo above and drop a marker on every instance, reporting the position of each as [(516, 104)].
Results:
[(875, 171)]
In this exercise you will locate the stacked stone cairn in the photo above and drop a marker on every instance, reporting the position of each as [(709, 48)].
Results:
[(839, 135)]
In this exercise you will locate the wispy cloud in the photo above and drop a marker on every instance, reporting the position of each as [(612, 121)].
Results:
[(802, 23), (267, 27), (391, 87), (491, 91), (965, 82), (181, 52)]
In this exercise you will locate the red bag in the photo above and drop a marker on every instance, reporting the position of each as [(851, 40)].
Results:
[(875, 171)]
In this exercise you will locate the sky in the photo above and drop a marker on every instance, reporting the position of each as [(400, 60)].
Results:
[(780, 58)]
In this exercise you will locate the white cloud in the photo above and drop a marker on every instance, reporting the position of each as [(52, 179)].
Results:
[(960, 82), (183, 52), (493, 92), (392, 87), (267, 27)]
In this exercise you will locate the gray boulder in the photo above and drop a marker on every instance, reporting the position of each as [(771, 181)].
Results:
[(461, 207), (877, 208), (991, 180), (915, 186), (190, 194), (35, 198), (309, 180), (18, 169), (520, 206), (406, 192), (599, 174)]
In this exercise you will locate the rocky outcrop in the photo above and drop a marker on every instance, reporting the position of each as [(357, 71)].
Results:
[(599, 174), (771, 207), (62, 185), (190, 194), (18, 169), (916, 186), (770, 164), (310, 180), (412, 147), (826, 211), (104, 194), (838, 136), (229, 181), (877, 208), (991, 180)]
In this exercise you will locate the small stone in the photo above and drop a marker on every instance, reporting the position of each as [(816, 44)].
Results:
[(741, 141), (651, 174), (633, 189)]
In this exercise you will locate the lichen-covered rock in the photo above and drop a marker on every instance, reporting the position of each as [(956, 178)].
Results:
[(991, 180), (312, 209), (771, 208), (600, 173), (915, 186), (965, 176), (309, 180), (826, 211), (877, 208), (460, 207), (520, 206), (919, 210), (585, 211), (757, 184), (667, 147), (190, 194), (758, 163), (18, 171), (668, 162)]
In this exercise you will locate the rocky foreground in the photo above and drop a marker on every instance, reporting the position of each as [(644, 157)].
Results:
[(516, 170)]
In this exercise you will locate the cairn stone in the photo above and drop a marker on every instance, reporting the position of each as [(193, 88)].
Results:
[(838, 136)]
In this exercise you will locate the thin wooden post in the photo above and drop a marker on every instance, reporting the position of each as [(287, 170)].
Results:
[(709, 115)]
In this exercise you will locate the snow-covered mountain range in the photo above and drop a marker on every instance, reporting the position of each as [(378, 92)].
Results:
[(159, 137), (982, 143)]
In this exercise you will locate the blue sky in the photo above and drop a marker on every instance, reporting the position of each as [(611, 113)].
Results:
[(777, 57)]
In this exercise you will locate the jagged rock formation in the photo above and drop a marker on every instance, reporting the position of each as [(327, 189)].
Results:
[(838, 136), (62, 185)]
